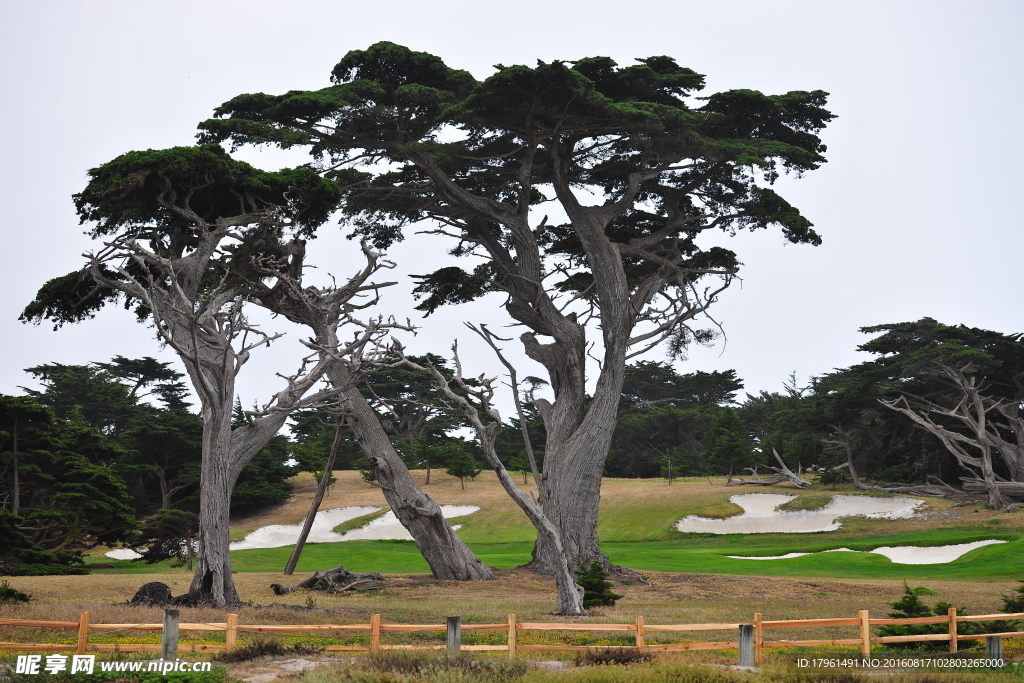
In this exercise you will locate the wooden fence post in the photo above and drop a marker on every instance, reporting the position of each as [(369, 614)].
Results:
[(453, 639), (83, 632), (865, 634), (231, 633), (640, 632), (169, 636), (375, 633), (511, 636), (994, 649), (746, 645), (953, 644), (758, 638)]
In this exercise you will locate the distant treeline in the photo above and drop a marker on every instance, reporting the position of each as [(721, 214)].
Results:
[(106, 444)]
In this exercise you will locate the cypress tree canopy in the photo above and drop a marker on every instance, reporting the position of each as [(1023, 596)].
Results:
[(477, 155)]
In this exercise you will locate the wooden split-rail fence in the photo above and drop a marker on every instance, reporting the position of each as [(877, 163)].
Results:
[(750, 638)]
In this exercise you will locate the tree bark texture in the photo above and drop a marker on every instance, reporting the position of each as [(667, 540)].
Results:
[(449, 557), (486, 421), (212, 337)]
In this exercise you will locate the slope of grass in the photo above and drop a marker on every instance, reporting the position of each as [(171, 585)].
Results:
[(359, 522)]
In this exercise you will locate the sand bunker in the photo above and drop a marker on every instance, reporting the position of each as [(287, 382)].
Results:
[(278, 535), (939, 554), (385, 527), (760, 515)]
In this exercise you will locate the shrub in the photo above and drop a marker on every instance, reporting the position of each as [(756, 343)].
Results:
[(266, 647), (621, 656), (911, 606), (445, 667), (9, 596), (596, 590)]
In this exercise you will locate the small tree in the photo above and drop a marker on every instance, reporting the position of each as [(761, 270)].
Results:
[(596, 588), (911, 606), (461, 464), (168, 535)]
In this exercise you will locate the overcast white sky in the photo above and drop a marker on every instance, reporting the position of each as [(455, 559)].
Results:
[(916, 205)]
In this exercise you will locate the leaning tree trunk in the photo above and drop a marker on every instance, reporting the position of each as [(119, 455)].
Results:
[(449, 557)]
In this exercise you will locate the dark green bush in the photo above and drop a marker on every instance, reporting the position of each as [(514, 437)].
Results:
[(9, 596), (596, 590)]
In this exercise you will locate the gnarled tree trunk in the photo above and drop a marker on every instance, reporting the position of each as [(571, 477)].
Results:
[(448, 555)]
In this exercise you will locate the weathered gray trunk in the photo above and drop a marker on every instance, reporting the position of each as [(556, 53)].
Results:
[(570, 594), (212, 582), (448, 556), (572, 492)]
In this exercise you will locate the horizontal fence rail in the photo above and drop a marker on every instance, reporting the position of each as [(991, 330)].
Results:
[(231, 628)]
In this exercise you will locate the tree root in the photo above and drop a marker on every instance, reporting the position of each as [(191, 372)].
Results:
[(337, 580)]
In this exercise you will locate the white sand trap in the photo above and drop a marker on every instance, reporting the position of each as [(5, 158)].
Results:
[(760, 515), (384, 528), (278, 535), (906, 554), (388, 528), (939, 554)]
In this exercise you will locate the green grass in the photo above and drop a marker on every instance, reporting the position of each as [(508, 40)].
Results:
[(701, 554), (638, 531), (359, 522)]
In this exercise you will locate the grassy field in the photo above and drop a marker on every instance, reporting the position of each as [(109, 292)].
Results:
[(637, 529), (692, 580)]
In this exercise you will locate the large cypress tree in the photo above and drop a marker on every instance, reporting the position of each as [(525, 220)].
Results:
[(637, 165)]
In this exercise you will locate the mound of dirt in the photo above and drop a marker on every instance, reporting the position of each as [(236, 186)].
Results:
[(152, 594)]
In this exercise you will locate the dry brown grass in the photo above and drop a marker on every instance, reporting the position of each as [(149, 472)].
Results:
[(418, 598)]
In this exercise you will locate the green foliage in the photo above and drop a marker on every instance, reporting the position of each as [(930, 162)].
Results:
[(312, 435), (1014, 602), (839, 413), (67, 494), (911, 606), (666, 417), (168, 535), (597, 591), (727, 447), (461, 464), (264, 481), (524, 123), (9, 596), (160, 446)]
